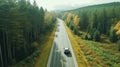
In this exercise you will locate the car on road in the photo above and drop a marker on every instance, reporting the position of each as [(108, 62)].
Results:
[(67, 51)]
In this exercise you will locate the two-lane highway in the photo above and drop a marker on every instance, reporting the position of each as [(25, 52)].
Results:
[(57, 57)]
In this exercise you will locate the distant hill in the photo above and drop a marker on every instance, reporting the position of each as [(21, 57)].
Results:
[(98, 6)]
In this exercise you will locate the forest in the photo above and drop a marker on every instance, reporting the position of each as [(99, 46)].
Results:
[(95, 21), (21, 23), (98, 28)]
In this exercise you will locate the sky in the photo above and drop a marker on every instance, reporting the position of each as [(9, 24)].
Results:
[(68, 4)]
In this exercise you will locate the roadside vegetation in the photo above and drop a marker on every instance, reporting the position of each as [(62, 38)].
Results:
[(23, 28), (95, 34)]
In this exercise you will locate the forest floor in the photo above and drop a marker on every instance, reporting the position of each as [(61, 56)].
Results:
[(94, 54)]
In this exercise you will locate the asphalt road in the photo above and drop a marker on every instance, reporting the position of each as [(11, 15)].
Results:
[(57, 57)]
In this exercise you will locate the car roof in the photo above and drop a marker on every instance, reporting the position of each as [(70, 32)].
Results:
[(66, 48)]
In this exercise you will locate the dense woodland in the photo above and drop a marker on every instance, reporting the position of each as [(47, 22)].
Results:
[(21, 23), (96, 21)]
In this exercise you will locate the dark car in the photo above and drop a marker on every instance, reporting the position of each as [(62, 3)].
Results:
[(66, 51)]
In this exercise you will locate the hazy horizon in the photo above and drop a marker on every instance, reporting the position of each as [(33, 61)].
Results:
[(66, 5)]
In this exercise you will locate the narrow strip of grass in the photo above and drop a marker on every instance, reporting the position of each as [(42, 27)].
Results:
[(80, 57), (44, 55)]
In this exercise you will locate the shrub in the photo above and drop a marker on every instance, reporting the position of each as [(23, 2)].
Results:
[(113, 36), (118, 45), (96, 36)]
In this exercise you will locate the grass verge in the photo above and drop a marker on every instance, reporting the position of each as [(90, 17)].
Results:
[(44, 55)]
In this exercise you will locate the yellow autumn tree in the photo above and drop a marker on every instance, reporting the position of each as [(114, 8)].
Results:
[(117, 27), (76, 20), (69, 18)]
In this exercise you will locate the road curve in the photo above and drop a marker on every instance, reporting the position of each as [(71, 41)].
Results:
[(57, 57)]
